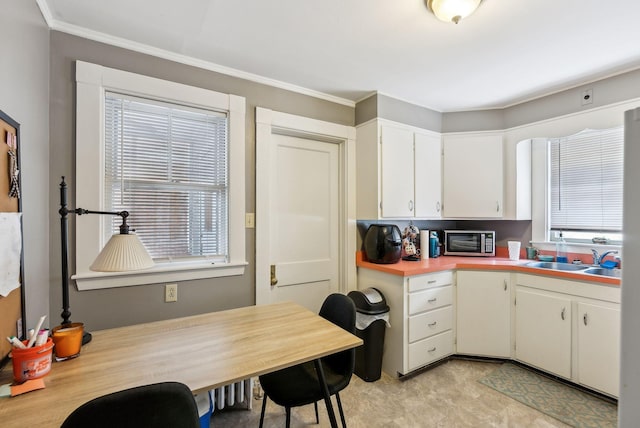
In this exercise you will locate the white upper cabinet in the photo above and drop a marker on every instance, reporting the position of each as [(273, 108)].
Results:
[(428, 175), (473, 173), (398, 171), (397, 168)]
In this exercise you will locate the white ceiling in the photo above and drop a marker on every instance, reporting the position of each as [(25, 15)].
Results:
[(507, 52)]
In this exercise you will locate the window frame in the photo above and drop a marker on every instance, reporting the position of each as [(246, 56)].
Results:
[(583, 236), (92, 81)]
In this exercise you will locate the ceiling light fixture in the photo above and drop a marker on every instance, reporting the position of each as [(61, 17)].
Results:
[(452, 10)]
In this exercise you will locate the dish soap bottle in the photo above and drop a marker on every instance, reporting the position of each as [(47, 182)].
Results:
[(561, 250)]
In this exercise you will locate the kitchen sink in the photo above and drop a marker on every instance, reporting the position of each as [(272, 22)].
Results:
[(616, 273), (557, 266)]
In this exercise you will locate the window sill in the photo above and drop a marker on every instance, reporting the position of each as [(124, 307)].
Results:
[(162, 272)]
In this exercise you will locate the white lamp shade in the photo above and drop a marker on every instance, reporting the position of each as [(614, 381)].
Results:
[(123, 252), (453, 10)]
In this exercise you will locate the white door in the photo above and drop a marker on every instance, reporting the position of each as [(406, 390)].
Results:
[(301, 214)]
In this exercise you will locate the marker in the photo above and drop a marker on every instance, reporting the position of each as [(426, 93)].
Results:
[(16, 342), (33, 339), (42, 337)]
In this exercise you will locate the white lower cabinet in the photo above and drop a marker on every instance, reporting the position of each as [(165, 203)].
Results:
[(565, 327), (483, 313), (571, 329), (543, 331), (421, 315), (598, 347)]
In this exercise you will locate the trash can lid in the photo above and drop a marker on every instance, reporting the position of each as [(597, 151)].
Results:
[(369, 301)]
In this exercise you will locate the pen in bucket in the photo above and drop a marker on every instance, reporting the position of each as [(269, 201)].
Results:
[(38, 327), (42, 337)]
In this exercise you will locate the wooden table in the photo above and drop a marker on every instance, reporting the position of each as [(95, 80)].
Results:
[(202, 351)]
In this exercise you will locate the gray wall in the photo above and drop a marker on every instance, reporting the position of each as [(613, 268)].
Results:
[(25, 97), (607, 91), (122, 306)]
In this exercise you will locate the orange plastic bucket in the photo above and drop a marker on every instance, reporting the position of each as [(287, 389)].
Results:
[(31, 363)]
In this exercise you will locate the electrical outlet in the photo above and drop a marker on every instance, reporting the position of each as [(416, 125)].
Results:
[(250, 220), (171, 292), (587, 96)]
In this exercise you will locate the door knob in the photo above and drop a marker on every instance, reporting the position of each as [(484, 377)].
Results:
[(274, 280)]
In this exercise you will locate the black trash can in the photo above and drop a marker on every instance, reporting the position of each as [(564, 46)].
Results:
[(371, 320)]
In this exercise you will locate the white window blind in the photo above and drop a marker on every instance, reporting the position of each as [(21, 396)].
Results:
[(586, 176), (167, 165)]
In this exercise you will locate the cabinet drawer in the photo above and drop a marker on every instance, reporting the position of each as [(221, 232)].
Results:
[(429, 350), (422, 282), (429, 299), (430, 323)]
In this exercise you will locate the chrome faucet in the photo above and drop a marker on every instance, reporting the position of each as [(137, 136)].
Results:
[(597, 259)]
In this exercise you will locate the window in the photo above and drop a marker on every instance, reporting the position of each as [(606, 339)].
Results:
[(167, 165), (173, 156), (586, 179)]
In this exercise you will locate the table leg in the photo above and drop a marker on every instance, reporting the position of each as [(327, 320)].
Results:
[(325, 392)]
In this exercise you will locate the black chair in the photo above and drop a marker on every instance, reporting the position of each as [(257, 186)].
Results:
[(298, 385), (160, 405)]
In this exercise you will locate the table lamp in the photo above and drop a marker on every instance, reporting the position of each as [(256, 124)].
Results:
[(124, 252)]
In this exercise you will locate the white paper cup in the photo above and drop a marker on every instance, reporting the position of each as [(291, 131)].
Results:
[(514, 250)]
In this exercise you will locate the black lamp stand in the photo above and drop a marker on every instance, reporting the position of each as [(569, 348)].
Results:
[(64, 211)]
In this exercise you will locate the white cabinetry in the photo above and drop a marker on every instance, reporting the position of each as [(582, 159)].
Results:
[(399, 171), (571, 329), (543, 331), (421, 317), (483, 313), (428, 175), (473, 171), (598, 347)]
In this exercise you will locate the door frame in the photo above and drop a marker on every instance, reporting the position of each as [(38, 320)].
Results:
[(268, 123)]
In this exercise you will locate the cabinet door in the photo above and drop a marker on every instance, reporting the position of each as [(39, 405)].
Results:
[(483, 314), (599, 347), (543, 331), (473, 176), (397, 172), (428, 175)]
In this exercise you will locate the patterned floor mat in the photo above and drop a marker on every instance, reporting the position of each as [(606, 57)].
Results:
[(569, 405)]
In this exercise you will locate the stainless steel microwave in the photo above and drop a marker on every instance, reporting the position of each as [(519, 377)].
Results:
[(479, 243)]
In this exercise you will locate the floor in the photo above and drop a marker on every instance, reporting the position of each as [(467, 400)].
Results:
[(445, 396)]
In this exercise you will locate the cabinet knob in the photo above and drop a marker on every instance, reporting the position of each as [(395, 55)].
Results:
[(584, 318), (562, 313), (410, 205), (438, 206), (497, 206)]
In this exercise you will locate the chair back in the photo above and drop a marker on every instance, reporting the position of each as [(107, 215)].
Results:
[(160, 405), (340, 310)]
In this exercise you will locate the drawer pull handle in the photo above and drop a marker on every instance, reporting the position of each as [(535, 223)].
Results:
[(433, 324), (432, 349), (432, 300), (584, 318), (562, 313), (432, 281)]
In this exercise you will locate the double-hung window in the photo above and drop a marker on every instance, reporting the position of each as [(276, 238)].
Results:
[(167, 165), (586, 180), (172, 155)]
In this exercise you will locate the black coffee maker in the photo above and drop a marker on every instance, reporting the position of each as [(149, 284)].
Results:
[(383, 243)]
